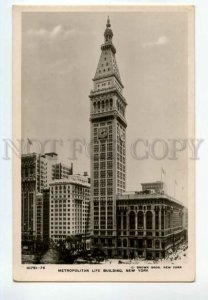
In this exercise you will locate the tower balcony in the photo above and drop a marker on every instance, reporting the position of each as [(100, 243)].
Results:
[(108, 114), (107, 45), (95, 93)]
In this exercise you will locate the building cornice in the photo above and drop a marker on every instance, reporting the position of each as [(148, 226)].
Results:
[(158, 196)]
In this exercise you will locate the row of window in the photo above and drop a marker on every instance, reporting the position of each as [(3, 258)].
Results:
[(103, 191)]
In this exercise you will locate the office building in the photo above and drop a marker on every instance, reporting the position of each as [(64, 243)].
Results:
[(35, 178), (69, 207), (61, 171), (108, 137), (36, 173), (149, 225)]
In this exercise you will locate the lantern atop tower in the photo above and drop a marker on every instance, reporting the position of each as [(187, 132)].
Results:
[(108, 34)]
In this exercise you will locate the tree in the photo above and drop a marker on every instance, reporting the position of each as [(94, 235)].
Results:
[(98, 253)]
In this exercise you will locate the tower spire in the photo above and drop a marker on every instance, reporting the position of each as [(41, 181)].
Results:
[(108, 22), (107, 65), (108, 34)]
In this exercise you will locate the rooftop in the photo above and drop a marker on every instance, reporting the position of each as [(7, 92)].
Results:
[(142, 196), (72, 179), (153, 182)]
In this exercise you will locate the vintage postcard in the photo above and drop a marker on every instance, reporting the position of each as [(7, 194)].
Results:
[(104, 143)]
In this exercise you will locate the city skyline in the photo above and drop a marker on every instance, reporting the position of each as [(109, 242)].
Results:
[(154, 48)]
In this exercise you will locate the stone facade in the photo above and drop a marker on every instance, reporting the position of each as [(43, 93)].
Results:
[(149, 226), (108, 138), (69, 207)]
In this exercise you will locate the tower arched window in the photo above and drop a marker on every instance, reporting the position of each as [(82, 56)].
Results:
[(106, 104), (122, 110), (98, 106), (94, 107), (111, 103)]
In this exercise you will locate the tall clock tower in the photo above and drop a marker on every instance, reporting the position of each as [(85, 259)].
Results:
[(108, 145)]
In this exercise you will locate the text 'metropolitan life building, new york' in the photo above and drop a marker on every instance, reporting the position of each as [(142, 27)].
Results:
[(148, 223)]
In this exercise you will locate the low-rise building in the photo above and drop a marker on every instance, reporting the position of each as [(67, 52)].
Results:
[(149, 225)]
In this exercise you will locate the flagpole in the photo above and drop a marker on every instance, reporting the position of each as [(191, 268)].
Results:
[(175, 183), (163, 173), (182, 194), (165, 184), (174, 189), (29, 144)]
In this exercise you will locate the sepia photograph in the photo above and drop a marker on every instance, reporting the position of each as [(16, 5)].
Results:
[(103, 119)]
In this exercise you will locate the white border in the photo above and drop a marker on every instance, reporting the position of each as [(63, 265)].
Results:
[(196, 290), (50, 273)]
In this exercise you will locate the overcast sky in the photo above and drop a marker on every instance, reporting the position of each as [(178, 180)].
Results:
[(60, 53)]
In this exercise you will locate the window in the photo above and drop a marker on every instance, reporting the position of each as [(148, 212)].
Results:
[(132, 220), (157, 220), (124, 222), (149, 220), (110, 191), (140, 220), (131, 243), (124, 243), (140, 243), (149, 243), (157, 244)]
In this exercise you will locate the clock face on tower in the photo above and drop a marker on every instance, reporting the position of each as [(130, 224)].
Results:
[(102, 132)]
